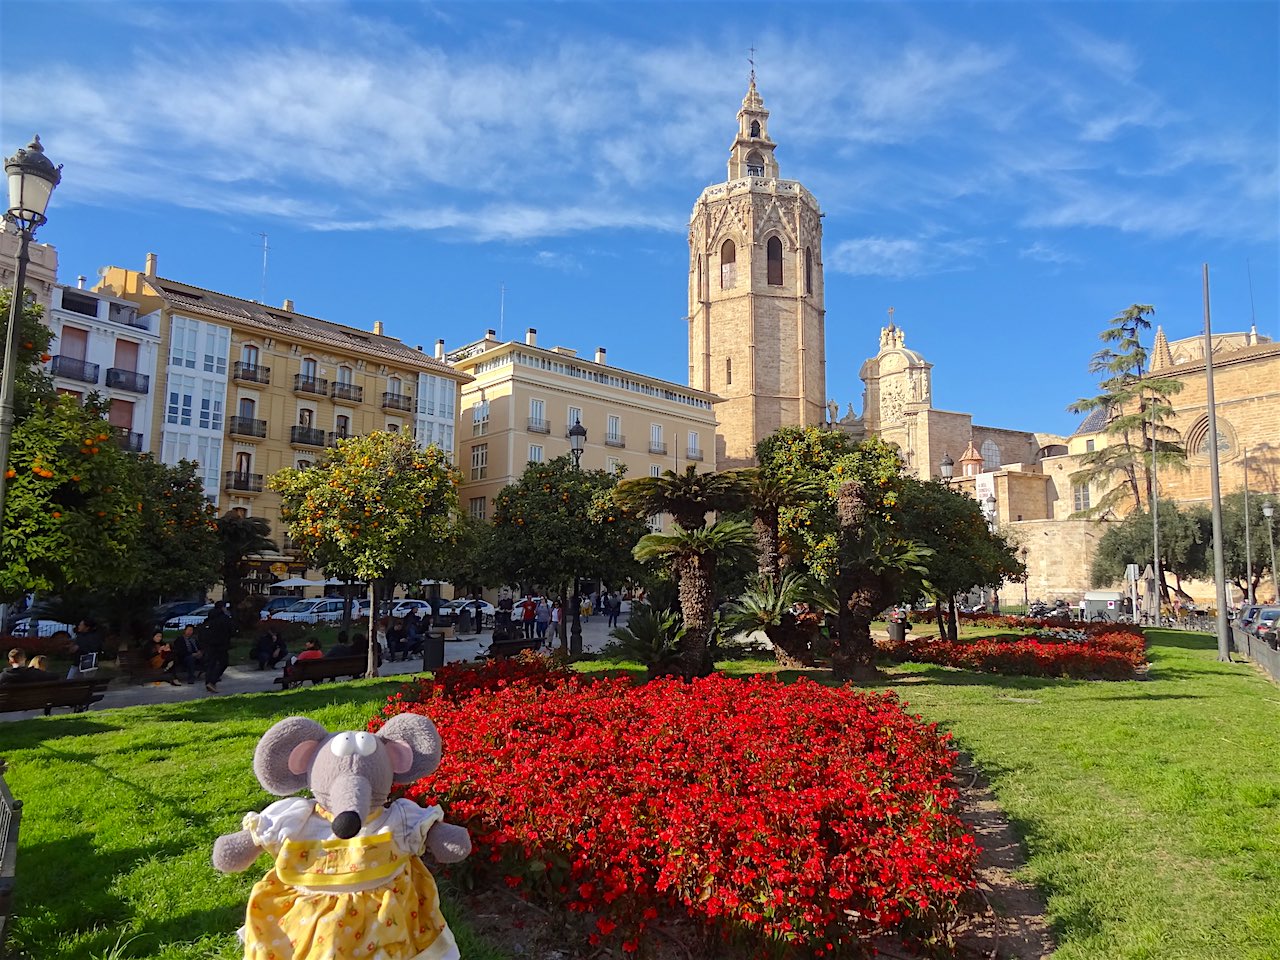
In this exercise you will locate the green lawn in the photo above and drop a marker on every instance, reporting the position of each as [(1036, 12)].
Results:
[(1151, 809)]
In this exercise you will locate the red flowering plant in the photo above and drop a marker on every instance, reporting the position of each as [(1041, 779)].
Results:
[(1116, 654), (797, 817)]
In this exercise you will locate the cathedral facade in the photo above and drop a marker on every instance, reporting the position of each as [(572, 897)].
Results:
[(756, 306)]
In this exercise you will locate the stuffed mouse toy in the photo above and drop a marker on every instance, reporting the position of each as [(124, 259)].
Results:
[(348, 880)]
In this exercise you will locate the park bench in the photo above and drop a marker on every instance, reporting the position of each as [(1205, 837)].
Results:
[(325, 668), (509, 648), (137, 670), (10, 817), (76, 694)]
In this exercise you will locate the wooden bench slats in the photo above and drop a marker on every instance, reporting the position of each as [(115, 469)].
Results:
[(325, 668), (77, 694)]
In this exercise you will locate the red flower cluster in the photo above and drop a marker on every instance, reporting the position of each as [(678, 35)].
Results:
[(55, 646), (791, 815), (457, 681), (1114, 655)]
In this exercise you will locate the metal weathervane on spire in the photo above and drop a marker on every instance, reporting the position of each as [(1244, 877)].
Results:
[(752, 60)]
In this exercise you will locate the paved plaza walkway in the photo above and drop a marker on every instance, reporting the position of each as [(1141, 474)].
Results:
[(247, 678)]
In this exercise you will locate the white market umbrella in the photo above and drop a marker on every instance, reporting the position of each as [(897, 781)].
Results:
[(297, 582)]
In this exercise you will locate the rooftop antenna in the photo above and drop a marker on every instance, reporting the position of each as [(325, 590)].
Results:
[(502, 306), (263, 297)]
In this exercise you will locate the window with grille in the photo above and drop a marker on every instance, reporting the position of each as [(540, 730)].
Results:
[(1080, 497), (535, 453), (480, 461), (476, 507)]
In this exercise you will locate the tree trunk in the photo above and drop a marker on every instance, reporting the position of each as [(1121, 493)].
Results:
[(953, 631), (853, 658), (696, 575), (371, 666), (563, 629), (765, 526), (942, 622), (792, 647)]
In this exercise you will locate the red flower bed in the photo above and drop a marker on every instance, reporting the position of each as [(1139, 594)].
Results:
[(55, 646), (791, 815), (1117, 654)]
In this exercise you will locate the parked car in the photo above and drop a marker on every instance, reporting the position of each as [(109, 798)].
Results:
[(192, 619), (402, 608), (486, 609), (178, 608), (1246, 615), (277, 605), (1266, 620), (323, 610), (35, 627)]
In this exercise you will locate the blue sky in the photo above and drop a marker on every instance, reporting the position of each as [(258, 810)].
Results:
[(1006, 176)]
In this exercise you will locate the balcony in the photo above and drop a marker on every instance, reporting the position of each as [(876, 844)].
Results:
[(304, 384), (658, 447), (289, 548), (129, 380), (347, 392), (246, 427), (243, 482), (306, 437), (73, 368), (251, 372), (127, 440), (539, 426), (693, 454), (397, 401), (336, 435), (615, 440)]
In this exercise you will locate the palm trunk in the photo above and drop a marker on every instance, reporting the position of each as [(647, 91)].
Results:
[(371, 665), (953, 629), (696, 575), (765, 526)]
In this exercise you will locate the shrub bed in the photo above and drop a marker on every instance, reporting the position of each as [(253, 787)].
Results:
[(795, 817), (1080, 653)]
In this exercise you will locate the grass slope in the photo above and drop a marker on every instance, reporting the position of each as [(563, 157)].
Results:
[(1151, 809), (121, 809)]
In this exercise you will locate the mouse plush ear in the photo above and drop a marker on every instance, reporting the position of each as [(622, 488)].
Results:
[(414, 745), (283, 758)]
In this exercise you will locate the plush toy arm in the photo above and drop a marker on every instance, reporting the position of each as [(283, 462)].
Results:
[(448, 843), (234, 852)]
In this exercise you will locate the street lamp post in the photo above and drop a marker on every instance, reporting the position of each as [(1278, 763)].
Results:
[(989, 511), (1026, 598), (1269, 511), (32, 177), (947, 468), (577, 442)]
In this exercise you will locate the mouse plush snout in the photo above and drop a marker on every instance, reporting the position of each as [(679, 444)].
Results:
[(346, 825)]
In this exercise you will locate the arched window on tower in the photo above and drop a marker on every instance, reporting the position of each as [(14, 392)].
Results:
[(728, 265), (755, 164), (775, 261), (808, 270), (990, 454), (755, 128)]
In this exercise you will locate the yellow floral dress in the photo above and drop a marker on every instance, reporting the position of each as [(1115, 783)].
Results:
[(370, 897)]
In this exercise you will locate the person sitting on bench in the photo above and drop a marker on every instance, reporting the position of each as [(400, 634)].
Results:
[(19, 672)]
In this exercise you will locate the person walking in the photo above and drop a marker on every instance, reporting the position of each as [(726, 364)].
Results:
[(528, 616), (216, 633), (543, 618), (614, 603), (557, 614)]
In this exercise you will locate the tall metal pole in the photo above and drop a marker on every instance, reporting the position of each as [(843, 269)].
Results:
[(1248, 549), (1155, 517), (1215, 488), (8, 377), (1271, 539)]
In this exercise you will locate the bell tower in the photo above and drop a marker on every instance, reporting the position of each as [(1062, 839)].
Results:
[(756, 307)]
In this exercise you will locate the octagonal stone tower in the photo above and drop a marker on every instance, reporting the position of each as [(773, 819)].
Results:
[(756, 309)]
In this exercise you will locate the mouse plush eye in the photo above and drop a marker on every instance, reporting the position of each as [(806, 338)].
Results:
[(366, 744), (344, 744)]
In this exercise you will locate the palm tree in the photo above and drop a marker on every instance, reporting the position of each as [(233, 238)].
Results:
[(767, 495), (687, 496), (767, 605), (239, 537), (692, 555)]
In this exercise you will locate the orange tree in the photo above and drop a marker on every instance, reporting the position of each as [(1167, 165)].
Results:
[(73, 506), (556, 523), (372, 508)]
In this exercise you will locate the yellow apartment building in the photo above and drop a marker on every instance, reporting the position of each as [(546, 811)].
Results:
[(245, 389), (520, 400)]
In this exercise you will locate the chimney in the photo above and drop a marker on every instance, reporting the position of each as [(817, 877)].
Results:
[(600, 355), (288, 304), (80, 281), (531, 337), (150, 271), (491, 334), (440, 349), (418, 348), (377, 328)]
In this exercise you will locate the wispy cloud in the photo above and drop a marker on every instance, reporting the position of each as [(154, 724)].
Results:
[(552, 260), (1046, 253), (898, 258)]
